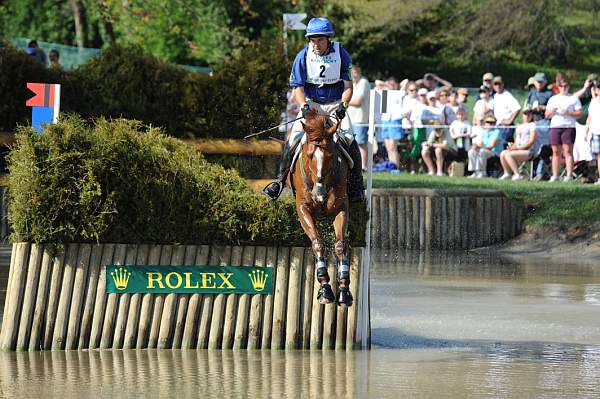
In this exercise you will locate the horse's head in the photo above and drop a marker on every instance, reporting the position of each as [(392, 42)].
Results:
[(321, 153)]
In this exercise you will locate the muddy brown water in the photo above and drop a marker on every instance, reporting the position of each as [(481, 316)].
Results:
[(444, 325)]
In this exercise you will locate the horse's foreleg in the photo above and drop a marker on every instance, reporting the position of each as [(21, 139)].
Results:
[(340, 224), (308, 224)]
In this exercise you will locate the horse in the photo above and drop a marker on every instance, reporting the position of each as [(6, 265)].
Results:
[(319, 179)]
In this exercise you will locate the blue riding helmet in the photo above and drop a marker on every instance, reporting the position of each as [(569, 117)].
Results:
[(319, 27)]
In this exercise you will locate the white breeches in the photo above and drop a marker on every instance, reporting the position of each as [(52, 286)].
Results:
[(326, 109), (478, 159)]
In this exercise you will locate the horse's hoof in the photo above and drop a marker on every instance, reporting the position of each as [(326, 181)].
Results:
[(344, 297), (325, 294)]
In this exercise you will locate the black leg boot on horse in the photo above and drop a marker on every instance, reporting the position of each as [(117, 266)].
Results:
[(343, 297), (325, 294), (356, 188), (273, 190)]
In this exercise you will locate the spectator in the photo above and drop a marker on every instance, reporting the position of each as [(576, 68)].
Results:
[(419, 131), (486, 80), (440, 145), (453, 106), (539, 95), (506, 109), (488, 145), (392, 124), (554, 86), (593, 125), (483, 106), (460, 131), (409, 102), (432, 82), (358, 111), (35, 52), (54, 57), (529, 86), (563, 108), (462, 95), (525, 147), (433, 113)]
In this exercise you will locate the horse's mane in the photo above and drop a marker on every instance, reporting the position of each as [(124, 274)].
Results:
[(315, 126)]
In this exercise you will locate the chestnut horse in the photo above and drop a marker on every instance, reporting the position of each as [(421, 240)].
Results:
[(319, 178)]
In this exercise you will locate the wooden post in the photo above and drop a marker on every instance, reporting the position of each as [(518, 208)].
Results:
[(167, 318), (329, 318), (231, 304), (215, 337), (147, 307), (256, 305), (135, 302), (14, 296), (278, 331), (29, 295), (108, 252), (402, 222), (108, 328), (90, 298), (292, 323), (190, 329), (64, 302), (182, 301), (308, 295), (39, 312), (77, 300), (240, 339)]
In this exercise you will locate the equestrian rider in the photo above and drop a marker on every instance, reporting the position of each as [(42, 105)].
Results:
[(321, 79)]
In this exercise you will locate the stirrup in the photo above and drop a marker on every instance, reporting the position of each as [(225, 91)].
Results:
[(344, 297), (325, 294), (273, 190)]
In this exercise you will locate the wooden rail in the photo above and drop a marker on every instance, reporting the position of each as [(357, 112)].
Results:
[(59, 302), (237, 147)]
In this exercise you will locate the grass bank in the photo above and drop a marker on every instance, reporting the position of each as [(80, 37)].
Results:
[(547, 203)]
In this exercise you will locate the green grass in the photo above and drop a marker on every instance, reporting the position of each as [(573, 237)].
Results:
[(547, 203)]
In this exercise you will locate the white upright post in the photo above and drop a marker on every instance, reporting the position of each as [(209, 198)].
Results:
[(366, 261)]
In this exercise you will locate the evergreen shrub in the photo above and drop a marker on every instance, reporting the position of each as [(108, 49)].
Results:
[(122, 181)]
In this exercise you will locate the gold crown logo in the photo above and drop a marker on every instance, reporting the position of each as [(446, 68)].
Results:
[(121, 278), (258, 279)]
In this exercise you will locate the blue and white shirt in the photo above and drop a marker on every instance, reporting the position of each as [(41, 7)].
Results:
[(326, 93)]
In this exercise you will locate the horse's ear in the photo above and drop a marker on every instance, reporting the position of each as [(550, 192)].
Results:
[(332, 129)]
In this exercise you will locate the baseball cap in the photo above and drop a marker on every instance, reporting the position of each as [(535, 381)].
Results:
[(431, 94), (422, 91), (462, 90), (531, 81), (497, 79), (489, 118), (540, 77), (488, 76)]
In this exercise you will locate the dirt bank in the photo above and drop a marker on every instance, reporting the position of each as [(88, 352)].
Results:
[(570, 242)]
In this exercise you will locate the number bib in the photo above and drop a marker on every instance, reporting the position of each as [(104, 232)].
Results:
[(324, 69)]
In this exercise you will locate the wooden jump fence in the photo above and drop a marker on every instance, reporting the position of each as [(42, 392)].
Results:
[(426, 219), (59, 302)]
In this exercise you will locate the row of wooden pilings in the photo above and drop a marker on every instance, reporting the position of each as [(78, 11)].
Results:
[(426, 219), (60, 302)]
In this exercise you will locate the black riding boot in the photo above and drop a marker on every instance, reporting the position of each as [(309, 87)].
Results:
[(356, 189), (273, 190)]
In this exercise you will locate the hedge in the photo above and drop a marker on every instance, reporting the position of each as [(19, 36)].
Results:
[(246, 93), (122, 181)]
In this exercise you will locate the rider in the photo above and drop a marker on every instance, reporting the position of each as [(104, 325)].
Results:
[(322, 80)]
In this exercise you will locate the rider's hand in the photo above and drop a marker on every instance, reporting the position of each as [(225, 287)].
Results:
[(340, 112), (305, 108)]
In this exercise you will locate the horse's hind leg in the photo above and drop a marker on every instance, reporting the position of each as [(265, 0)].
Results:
[(344, 297)]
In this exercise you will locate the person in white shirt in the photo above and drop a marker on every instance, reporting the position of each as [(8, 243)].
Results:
[(358, 110), (392, 130), (564, 108), (525, 147), (439, 145), (593, 125), (483, 106), (460, 131), (506, 109)]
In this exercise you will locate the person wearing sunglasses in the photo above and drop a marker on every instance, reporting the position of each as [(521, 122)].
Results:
[(485, 146), (564, 108)]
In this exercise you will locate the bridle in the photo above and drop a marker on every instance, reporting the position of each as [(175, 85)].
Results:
[(335, 171)]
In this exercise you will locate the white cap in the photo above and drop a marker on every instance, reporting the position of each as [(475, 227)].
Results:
[(422, 91), (431, 94)]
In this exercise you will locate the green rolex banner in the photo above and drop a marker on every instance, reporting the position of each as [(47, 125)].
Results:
[(189, 279)]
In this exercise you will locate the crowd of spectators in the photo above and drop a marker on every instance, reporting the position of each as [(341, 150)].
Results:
[(430, 118), (39, 55)]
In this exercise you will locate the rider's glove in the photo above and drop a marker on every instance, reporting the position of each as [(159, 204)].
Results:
[(340, 112), (305, 108)]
